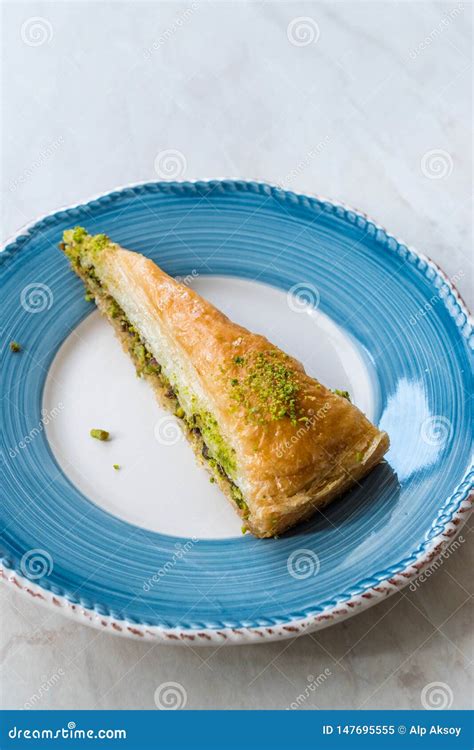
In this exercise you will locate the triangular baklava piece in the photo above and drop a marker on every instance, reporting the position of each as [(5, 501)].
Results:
[(279, 444)]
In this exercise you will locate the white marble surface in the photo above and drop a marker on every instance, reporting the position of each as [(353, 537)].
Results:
[(355, 115)]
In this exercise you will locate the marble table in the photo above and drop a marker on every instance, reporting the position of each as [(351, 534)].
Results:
[(365, 102)]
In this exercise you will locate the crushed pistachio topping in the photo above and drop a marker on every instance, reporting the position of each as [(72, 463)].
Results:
[(15, 346), (99, 241), (344, 394), (78, 234), (83, 249), (100, 434), (269, 389)]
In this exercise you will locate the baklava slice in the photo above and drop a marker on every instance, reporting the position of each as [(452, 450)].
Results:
[(279, 443)]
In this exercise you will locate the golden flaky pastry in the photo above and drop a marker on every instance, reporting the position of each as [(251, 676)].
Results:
[(279, 444)]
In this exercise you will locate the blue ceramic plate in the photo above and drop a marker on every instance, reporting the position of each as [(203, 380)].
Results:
[(152, 550)]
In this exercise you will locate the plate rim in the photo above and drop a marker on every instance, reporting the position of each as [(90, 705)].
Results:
[(461, 500)]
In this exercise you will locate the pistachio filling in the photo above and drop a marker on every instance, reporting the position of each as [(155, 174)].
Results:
[(201, 425)]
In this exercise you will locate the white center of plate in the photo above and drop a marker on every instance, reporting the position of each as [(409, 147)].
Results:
[(159, 486)]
